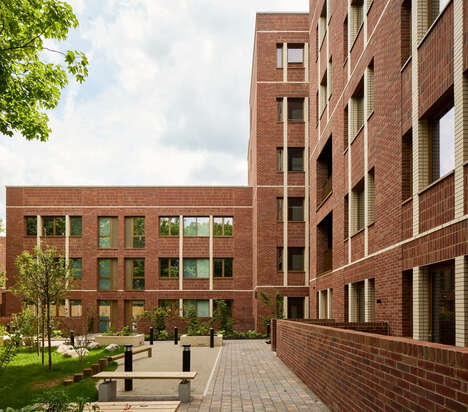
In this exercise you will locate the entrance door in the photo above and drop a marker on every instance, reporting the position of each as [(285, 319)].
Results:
[(295, 308)]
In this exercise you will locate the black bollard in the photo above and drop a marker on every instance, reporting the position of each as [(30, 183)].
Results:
[(268, 341), (151, 335), (176, 335), (186, 359), (211, 338), (72, 338), (128, 366)]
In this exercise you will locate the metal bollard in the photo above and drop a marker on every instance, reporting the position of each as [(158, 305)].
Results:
[(128, 366), (72, 338), (211, 338), (151, 335), (186, 359), (268, 330), (176, 335)]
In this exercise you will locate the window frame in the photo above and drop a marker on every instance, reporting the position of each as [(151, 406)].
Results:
[(197, 226), (196, 301), (111, 277), (169, 266), (223, 269), (170, 224), (73, 269), (111, 232), (54, 225), (290, 111), (72, 218), (296, 46), (130, 278), (26, 218), (80, 306), (196, 276), (130, 243), (173, 309), (223, 225)]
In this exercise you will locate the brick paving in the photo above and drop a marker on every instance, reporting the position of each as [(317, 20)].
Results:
[(249, 377)]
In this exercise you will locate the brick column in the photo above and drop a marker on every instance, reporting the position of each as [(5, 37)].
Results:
[(369, 300), (461, 301), (421, 313)]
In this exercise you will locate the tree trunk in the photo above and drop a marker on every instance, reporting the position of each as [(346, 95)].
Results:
[(43, 333), (37, 329), (49, 333)]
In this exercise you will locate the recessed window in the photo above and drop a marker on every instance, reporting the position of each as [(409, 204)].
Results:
[(295, 159), (443, 144), (345, 39), (107, 274), (295, 209), (323, 92), (196, 268), (322, 24), (134, 309), (201, 307), (77, 267), (357, 108), (171, 306), (371, 196), (106, 311), (295, 53), (169, 267), (222, 226), (228, 302), (279, 259), (75, 308), (222, 268), (346, 217), (169, 226), (357, 15), (296, 110), (75, 225), (31, 225), (59, 309), (279, 109), (279, 55), (108, 233), (196, 226), (358, 206), (325, 172), (324, 260), (53, 226), (405, 33), (135, 232), (295, 259), (135, 274), (407, 165), (370, 88)]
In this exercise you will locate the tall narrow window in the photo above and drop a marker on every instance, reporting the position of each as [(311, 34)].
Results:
[(295, 159), (322, 24), (296, 109), (357, 109), (295, 209), (371, 196), (108, 233), (31, 225), (358, 206), (443, 145), (279, 209), (345, 129), (196, 226), (53, 225), (169, 226), (107, 274), (324, 242), (135, 232), (370, 88), (357, 15), (106, 310), (345, 39), (279, 109), (75, 225), (169, 267), (407, 165), (222, 268), (329, 79), (405, 31), (135, 274), (325, 172), (279, 259), (323, 94), (279, 159), (346, 217), (279, 55), (222, 226), (77, 267)]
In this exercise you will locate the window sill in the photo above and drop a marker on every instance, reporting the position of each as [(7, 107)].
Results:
[(355, 39), (431, 27), (357, 233), (108, 248), (223, 236), (295, 121), (292, 221), (356, 134), (324, 200), (222, 277), (76, 236), (168, 278), (369, 6), (53, 236), (134, 248), (169, 236), (197, 237), (370, 115), (196, 278), (296, 66), (405, 64), (435, 182), (407, 201)]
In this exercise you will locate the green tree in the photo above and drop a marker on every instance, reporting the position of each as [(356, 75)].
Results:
[(29, 85), (52, 279), (222, 316), (157, 318), (275, 305)]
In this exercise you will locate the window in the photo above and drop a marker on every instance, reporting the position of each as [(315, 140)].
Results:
[(407, 165), (357, 14), (75, 308), (169, 267), (222, 268), (279, 55), (202, 307), (31, 225), (296, 110), (134, 309), (295, 159), (324, 242), (61, 307), (107, 274), (53, 226), (295, 209), (171, 306), (77, 267), (228, 302), (135, 274), (279, 109), (345, 129), (322, 25), (135, 232), (405, 31), (105, 315), (358, 207), (75, 226), (197, 268), (324, 169), (357, 109), (371, 196), (345, 39), (295, 259), (108, 233), (222, 226), (196, 226), (279, 209), (169, 226), (329, 78), (295, 53), (370, 88), (323, 93), (346, 217)]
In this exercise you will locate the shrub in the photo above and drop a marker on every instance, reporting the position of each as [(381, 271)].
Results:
[(163, 335)]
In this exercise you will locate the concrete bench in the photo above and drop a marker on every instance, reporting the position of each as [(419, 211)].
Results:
[(108, 389), (160, 406)]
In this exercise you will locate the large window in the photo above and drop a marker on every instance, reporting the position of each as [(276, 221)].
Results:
[(295, 259), (75, 225), (77, 267), (169, 267), (202, 307), (296, 109), (222, 226), (295, 53), (53, 226), (75, 308), (107, 274), (135, 274), (169, 226), (222, 268), (108, 233), (196, 226), (295, 159), (135, 232), (30, 223), (196, 268)]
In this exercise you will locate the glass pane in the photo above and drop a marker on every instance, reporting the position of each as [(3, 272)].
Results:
[(31, 226), (218, 267), (164, 267), (279, 110), (60, 226), (139, 284), (175, 226), (104, 242), (188, 303), (295, 54), (295, 109), (138, 309), (203, 224), (203, 308), (75, 308), (104, 226), (203, 268), (218, 226), (279, 160), (190, 226), (174, 268), (295, 162), (139, 242), (103, 325), (77, 268), (447, 142), (76, 225), (190, 268), (138, 267), (228, 268), (228, 222), (139, 226), (104, 283), (164, 226), (296, 260), (104, 267), (48, 226), (279, 56)]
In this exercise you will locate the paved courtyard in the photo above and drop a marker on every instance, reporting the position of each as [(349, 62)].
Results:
[(249, 377)]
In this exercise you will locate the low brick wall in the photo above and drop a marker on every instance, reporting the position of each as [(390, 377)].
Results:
[(355, 371)]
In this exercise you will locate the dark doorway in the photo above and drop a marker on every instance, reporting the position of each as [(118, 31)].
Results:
[(295, 308)]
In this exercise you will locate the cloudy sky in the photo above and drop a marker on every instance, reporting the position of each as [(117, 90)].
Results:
[(166, 101)]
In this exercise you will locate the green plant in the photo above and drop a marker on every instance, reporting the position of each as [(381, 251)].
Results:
[(274, 303), (163, 335), (222, 316), (125, 331), (3, 330), (157, 318), (194, 326), (110, 332), (25, 324)]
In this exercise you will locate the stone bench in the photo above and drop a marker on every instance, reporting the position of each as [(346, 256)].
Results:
[(143, 406), (108, 389)]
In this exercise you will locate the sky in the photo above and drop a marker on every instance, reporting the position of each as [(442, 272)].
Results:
[(166, 101)]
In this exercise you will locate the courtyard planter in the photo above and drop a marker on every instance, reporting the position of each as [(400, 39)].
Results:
[(200, 341), (135, 340)]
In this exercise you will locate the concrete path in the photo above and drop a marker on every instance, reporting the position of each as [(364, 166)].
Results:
[(249, 377)]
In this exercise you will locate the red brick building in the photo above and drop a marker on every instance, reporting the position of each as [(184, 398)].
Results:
[(356, 204)]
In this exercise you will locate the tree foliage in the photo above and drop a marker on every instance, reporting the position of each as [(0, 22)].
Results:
[(275, 305), (29, 85)]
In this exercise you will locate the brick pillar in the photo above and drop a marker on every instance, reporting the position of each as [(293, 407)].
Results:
[(369, 300), (421, 304), (461, 301)]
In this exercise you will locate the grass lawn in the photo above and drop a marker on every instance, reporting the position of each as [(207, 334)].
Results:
[(25, 379)]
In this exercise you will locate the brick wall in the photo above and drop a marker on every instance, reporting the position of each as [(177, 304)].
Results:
[(356, 371)]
